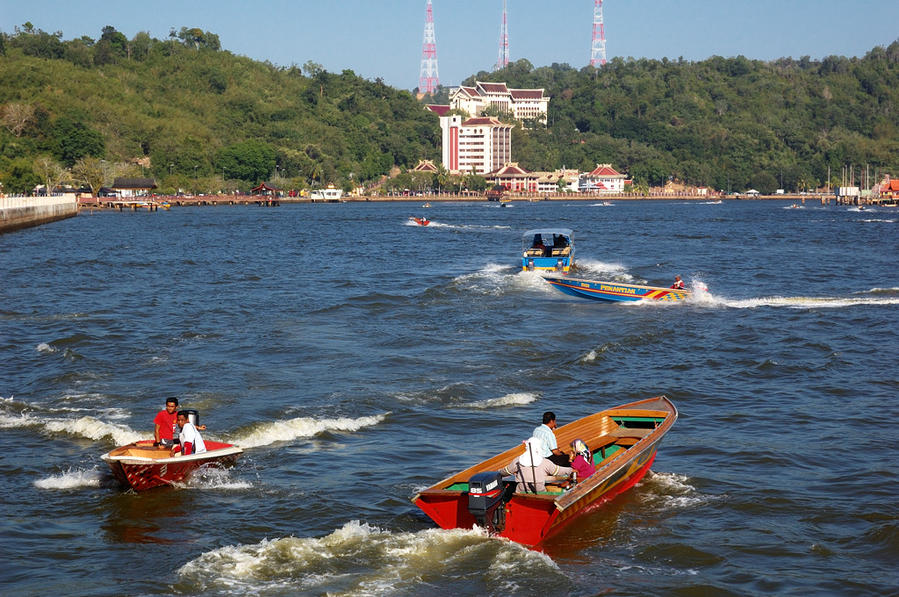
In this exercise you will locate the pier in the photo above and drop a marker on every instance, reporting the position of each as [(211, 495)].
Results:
[(22, 212)]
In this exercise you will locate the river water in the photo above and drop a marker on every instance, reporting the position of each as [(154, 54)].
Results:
[(358, 358)]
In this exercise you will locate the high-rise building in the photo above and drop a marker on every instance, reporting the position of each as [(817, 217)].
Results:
[(476, 145)]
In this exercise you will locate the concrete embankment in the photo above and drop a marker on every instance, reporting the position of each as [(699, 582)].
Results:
[(22, 212)]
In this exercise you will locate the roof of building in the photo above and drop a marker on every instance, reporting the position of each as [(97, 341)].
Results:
[(893, 185), (493, 87), (473, 92), (606, 170), (484, 121), (438, 109), (134, 183), (264, 186), (527, 93), (510, 170), (424, 166)]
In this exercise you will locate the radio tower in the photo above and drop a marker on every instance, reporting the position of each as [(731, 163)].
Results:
[(427, 75), (503, 60), (598, 47)]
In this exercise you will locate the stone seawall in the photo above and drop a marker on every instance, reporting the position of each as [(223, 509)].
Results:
[(22, 212)]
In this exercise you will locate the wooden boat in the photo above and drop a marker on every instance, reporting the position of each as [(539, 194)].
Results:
[(624, 441), (143, 466), (420, 221), (547, 249), (598, 290)]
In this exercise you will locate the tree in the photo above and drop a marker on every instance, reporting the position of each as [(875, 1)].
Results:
[(50, 172), (19, 177), (251, 161), (73, 140), (90, 171), (16, 117)]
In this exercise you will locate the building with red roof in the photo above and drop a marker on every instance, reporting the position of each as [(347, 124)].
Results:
[(522, 104), (603, 179)]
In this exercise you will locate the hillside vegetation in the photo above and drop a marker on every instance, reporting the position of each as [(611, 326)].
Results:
[(197, 117)]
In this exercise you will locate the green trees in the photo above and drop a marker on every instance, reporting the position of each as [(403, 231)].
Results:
[(72, 140), (251, 161)]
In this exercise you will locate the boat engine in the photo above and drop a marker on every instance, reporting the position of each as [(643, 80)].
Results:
[(487, 495)]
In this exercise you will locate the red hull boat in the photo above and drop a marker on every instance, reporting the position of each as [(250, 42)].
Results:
[(624, 441), (420, 221), (143, 466)]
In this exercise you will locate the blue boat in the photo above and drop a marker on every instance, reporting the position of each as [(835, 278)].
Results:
[(598, 290), (547, 249)]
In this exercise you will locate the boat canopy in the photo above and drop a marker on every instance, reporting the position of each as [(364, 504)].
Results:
[(547, 234)]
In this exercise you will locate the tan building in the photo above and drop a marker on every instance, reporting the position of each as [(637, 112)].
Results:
[(522, 104)]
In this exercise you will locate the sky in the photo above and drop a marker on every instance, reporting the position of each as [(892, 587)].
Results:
[(383, 38)]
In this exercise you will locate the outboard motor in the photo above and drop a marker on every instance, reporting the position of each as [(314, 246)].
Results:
[(486, 500), (193, 416)]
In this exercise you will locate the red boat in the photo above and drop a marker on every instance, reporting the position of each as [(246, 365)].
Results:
[(420, 221), (143, 466), (624, 441)]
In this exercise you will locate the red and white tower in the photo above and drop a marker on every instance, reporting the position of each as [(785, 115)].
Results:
[(598, 47), (503, 60), (427, 74)]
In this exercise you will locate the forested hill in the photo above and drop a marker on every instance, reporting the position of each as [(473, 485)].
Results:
[(208, 119), (724, 122), (198, 112)]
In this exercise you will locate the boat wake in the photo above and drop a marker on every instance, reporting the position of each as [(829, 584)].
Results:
[(516, 399), (73, 479), (211, 477), (497, 280), (670, 490), (395, 563), (264, 434), (873, 297), (600, 270)]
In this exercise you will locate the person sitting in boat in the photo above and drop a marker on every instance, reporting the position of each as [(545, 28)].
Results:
[(191, 441), (678, 284), (165, 423), (532, 470), (538, 243), (550, 447), (559, 241), (582, 459)]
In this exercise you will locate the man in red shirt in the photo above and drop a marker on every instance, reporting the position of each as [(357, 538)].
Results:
[(165, 423)]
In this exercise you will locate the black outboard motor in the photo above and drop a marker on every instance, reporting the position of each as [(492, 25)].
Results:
[(486, 499)]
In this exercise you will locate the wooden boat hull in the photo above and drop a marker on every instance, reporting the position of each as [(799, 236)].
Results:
[(626, 453), (140, 466), (598, 290)]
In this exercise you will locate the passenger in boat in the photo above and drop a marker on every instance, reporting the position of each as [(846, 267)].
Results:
[(550, 447), (678, 283), (538, 243), (582, 459), (191, 441), (165, 423), (532, 470), (559, 241)]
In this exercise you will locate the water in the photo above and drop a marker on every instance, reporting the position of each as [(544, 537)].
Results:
[(358, 359)]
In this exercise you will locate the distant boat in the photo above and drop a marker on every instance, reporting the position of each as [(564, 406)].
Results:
[(615, 291), (426, 205), (330, 194), (420, 221)]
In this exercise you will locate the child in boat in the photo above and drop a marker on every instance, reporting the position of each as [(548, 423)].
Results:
[(191, 441), (582, 459)]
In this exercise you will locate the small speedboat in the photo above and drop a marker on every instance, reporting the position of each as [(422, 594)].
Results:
[(143, 466), (623, 441), (547, 249), (598, 290), (420, 221)]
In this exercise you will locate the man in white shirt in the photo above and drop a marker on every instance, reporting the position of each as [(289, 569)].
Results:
[(551, 450), (191, 442)]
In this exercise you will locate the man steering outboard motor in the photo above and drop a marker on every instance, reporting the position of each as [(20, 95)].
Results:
[(487, 496)]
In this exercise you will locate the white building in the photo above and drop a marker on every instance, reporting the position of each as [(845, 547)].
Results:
[(523, 104), (478, 145), (603, 179)]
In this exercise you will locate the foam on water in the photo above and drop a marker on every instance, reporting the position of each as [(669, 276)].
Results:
[(393, 562), (515, 399), (87, 427), (496, 280), (264, 434), (213, 478), (670, 490), (44, 347), (616, 272), (71, 479)]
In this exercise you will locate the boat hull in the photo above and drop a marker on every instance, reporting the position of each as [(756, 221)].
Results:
[(531, 518), (140, 466), (617, 292)]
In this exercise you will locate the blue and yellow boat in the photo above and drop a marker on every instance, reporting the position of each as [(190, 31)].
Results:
[(547, 249), (598, 290)]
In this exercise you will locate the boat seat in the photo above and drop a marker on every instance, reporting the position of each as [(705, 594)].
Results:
[(533, 252), (628, 432), (561, 252)]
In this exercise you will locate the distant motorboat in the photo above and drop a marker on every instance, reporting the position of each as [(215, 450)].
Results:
[(330, 194), (420, 221)]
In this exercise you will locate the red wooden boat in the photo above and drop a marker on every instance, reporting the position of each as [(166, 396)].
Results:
[(143, 466), (624, 441), (420, 221)]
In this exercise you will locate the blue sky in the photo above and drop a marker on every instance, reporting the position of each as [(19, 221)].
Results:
[(382, 38)]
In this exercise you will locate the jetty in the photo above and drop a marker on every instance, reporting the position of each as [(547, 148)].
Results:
[(23, 212)]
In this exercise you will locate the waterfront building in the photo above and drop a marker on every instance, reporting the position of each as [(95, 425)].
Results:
[(514, 178), (603, 179), (133, 187), (476, 145)]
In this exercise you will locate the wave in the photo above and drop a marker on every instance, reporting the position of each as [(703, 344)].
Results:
[(71, 479), (798, 302), (883, 220), (516, 399), (395, 562), (87, 427), (670, 490), (213, 478), (614, 272), (264, 434)]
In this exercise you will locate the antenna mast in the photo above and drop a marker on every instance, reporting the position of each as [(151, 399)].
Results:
[(503, 60), (598, 47), (427, 74)]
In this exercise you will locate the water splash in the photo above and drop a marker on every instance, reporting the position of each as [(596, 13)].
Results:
[(401, 562), (516, 399), (264, 434), (87, 427), (71, 479)]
